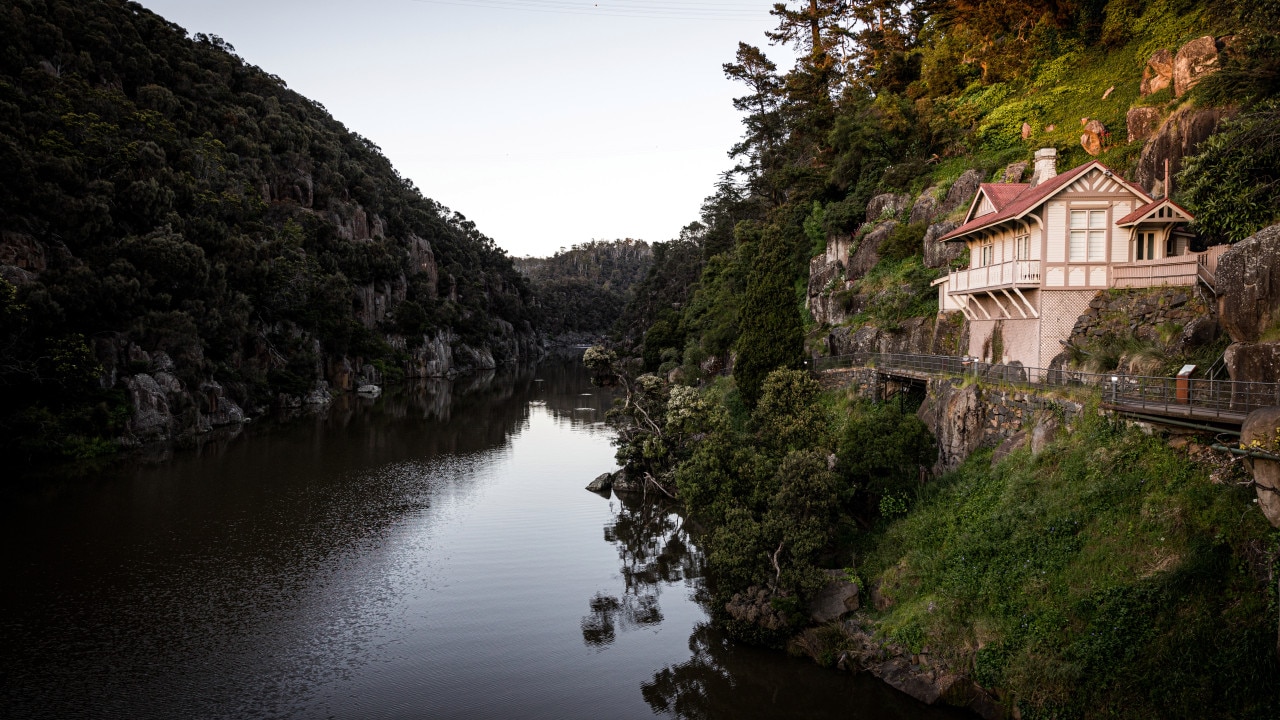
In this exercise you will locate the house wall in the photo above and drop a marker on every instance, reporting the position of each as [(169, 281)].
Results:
[(1059, 311), (1019, 341), (1095, 191)]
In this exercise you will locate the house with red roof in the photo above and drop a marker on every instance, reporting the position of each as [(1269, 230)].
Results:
[(1040, 251)]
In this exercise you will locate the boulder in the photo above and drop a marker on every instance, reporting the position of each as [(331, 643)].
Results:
[(1248, 285), (1193, 62), (836, 598), (1263, 426), (1249, 362), (369, 390), (1026, 131), (1094, 138), (1141, 122), (622, 482), (319, 394), (925, 208), (1016, 441), (867, 254), (1044, 432), (1197, 333), (1179, 136), (891, 204), (940, 254), (602, 484), (222, 410), (755, 606), (1014, 171), (961, 192), (1158, 74), (151, 419)]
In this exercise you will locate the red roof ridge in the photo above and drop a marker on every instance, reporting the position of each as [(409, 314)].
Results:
[(1029, 199)]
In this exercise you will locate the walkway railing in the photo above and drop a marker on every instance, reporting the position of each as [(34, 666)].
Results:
[(1200, 398)]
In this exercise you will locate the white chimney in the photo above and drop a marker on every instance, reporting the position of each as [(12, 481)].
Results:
[(1046, 165)]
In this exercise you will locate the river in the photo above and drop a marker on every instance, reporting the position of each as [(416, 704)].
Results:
[(429, 554)]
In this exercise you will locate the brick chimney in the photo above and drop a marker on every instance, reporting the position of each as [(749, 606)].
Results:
[(1046, 165)]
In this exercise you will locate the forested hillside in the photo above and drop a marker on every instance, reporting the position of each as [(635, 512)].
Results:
[(913, 104), (582, 291), (184, 237)]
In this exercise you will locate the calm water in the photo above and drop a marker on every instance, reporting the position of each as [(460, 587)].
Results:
[(428, 554)]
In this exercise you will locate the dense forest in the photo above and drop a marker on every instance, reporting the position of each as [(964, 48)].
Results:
[(184, 239), (1030, 575), (581, 292)]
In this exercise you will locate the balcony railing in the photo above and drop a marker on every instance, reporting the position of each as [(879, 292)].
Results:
[(1006, 274), (1177, 270)]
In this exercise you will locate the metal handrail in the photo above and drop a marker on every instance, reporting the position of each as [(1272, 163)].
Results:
[(1201, 397)]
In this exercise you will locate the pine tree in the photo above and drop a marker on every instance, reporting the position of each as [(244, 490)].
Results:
[(772, 333)]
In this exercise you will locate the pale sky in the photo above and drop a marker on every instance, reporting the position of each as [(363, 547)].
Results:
[(546, 122)]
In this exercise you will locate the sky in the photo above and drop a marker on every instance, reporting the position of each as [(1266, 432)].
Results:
[(548, 123)]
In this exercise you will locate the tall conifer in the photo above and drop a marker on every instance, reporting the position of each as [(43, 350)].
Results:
[(772, 333)]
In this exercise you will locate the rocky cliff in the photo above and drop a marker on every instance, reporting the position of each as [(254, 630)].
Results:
[(185, 242)]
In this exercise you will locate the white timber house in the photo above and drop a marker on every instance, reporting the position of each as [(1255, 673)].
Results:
[(1040, 251)]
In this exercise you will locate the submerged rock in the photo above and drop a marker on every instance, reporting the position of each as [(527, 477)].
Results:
[(603, 483)]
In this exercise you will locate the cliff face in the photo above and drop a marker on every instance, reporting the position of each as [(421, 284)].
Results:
[(184, 241)]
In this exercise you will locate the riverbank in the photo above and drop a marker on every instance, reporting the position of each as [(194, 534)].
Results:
[(1100, 572)]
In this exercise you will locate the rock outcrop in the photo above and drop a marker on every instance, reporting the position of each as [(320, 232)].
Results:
[(1250, 362), (887, 205), (1141, 122), (1248, 285), (1179, 136), (1158, 73), (867, 254), (1263, 427), (1194, 61), (961, 192), (939, 254), (920, 675), (836, 598)]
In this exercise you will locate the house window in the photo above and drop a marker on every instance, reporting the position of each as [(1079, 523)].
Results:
[(1146, 246), (1088, 241), (987, 252), (1022, 247)]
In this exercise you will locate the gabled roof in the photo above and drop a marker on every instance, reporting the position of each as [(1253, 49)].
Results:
[(1147, 212), (1031, 198), (1001, 194), (998, 194)]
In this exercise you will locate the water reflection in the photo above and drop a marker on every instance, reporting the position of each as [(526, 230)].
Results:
[(655, 552)]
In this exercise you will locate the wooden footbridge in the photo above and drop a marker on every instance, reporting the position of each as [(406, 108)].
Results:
[(1183, 398)]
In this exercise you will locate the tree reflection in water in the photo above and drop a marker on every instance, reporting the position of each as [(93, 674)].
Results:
[(722, 678), (655, 551)]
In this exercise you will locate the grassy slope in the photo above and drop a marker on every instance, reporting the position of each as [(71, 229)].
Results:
[(1105, 577)]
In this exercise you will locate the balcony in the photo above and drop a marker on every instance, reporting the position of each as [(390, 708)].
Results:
[(1177, 270), (1012, 274)]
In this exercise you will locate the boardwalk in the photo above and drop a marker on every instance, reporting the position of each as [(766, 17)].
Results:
[(1224, 402)]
